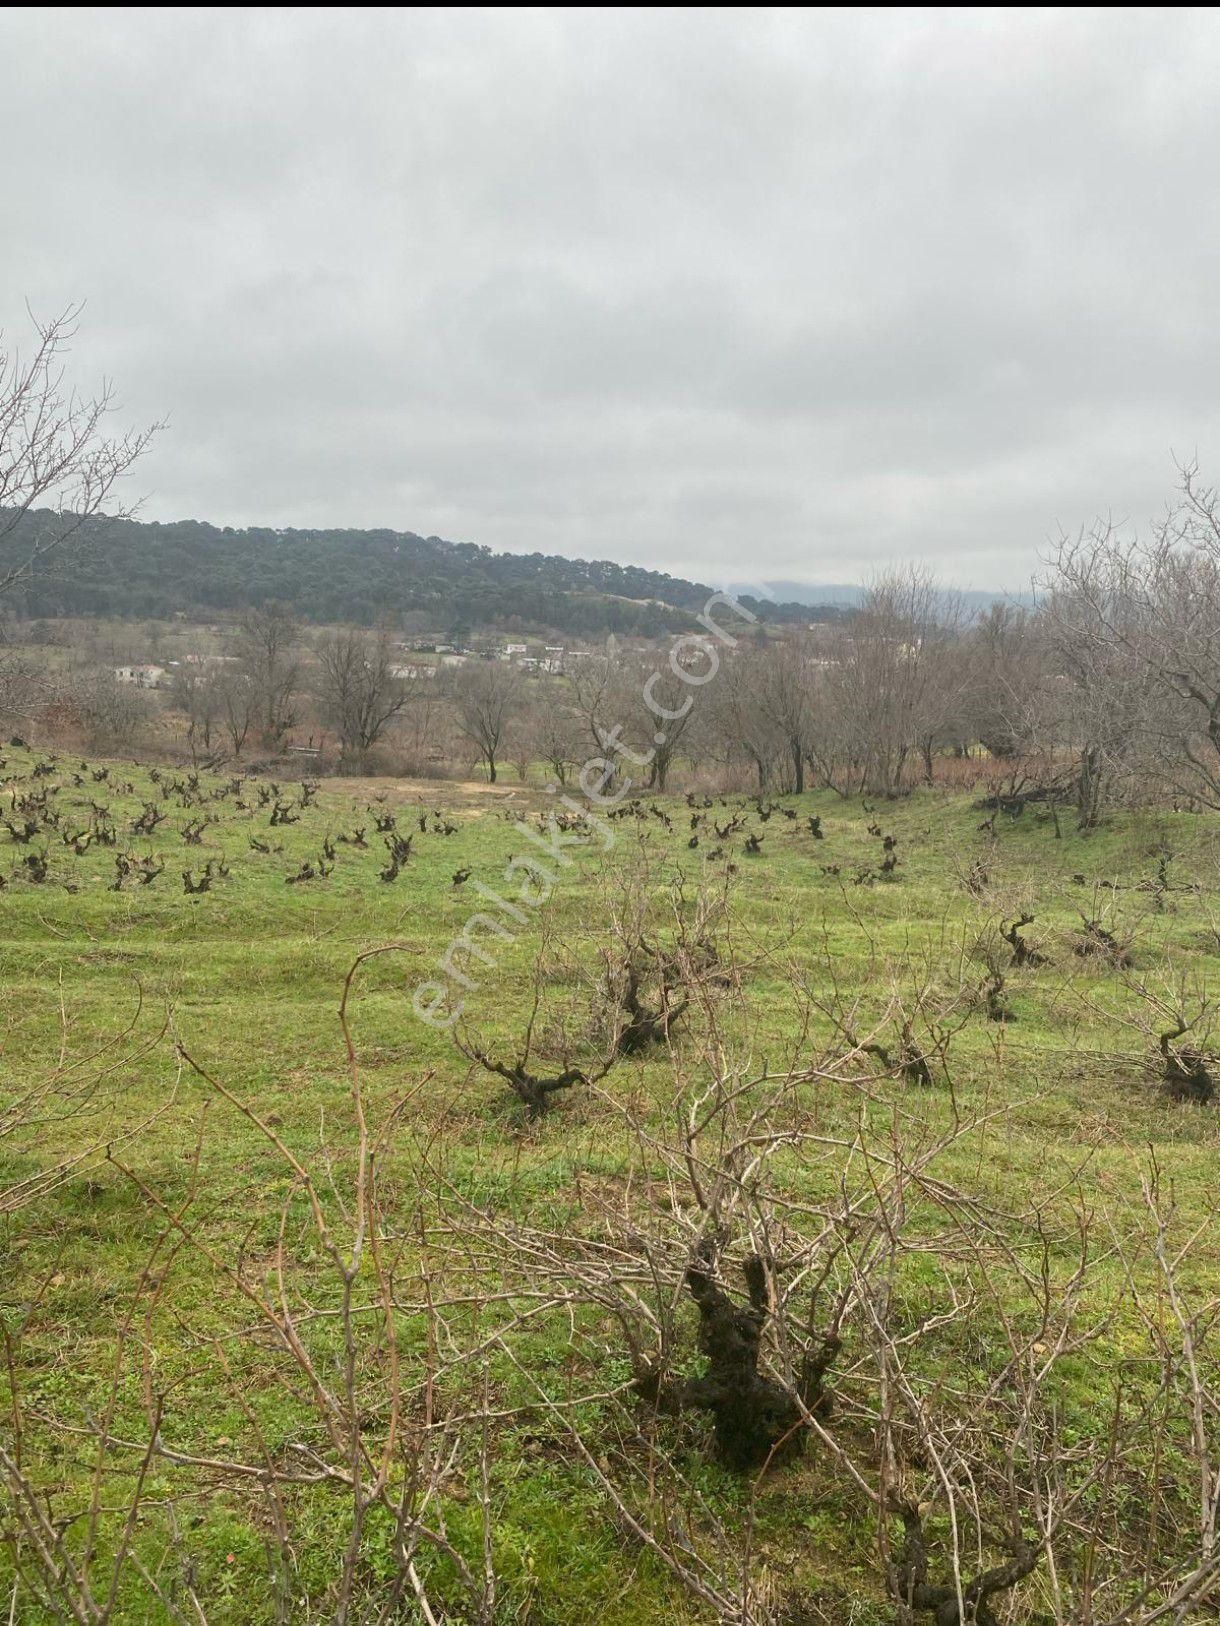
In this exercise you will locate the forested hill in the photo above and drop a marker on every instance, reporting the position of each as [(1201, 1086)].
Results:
[(128, 568)]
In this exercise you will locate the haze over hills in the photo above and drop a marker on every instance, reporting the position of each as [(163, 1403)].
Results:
[(129, 569), (845, 595)]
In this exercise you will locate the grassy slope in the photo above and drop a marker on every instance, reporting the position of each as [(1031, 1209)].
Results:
[(252, 974)]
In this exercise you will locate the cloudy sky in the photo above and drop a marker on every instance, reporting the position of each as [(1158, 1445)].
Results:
[(766, 295)]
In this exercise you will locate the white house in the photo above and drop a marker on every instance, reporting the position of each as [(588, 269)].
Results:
[(141, 677)]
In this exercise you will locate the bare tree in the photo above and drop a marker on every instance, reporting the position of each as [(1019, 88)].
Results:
[(359, 689), (554, 730), (1002, 663), (198, 696), (942, 679), (25, 687), (487, 695), (652, 708), (782, 692), (892, 692), (266, 650), (1150, 609), (419, 726), (58, 467), (734, 723), (238, 706), (1102, 688), (593, 680), (112, 712)]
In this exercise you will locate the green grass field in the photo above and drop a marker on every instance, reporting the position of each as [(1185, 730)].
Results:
[(110, 1311)]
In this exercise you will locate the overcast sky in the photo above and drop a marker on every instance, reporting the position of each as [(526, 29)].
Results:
[(735, 295)]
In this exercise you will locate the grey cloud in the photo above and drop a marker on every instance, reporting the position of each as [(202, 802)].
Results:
[(781, 294)]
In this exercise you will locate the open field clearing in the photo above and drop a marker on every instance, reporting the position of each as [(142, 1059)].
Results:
[(297, 1333)]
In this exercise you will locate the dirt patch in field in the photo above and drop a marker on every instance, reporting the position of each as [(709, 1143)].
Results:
[(441, 793)]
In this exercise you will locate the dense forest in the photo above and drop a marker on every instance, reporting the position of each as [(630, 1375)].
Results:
[(121, 567)]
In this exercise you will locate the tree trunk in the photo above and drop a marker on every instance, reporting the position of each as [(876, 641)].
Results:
[(1088, 789)]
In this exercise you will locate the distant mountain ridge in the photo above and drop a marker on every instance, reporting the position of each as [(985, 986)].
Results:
[(129, 568), (846, 596)]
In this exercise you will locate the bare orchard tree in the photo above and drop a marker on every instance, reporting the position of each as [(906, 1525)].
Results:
[(113, 713), (632, 713), (58, 466), (555, 730), (780, 688), (653, 707), (1103, 687), (543, 729), (197, 694), (1156, 605), (238, 706), (266, 650), (359, 689), (942, 679), (419, 732), (487, 695), (893, 693), (1002, 663), (594, 678), (25, 687), (734, 727)]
